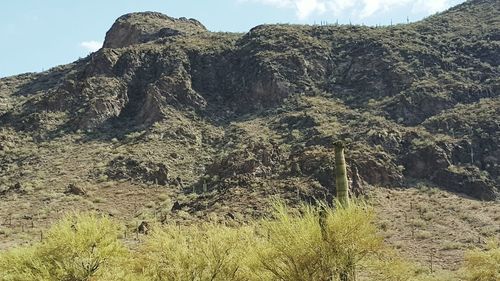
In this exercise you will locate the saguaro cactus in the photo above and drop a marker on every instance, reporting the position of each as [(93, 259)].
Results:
[(341, 183)]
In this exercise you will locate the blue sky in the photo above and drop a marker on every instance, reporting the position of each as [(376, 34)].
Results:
[(40, 34)]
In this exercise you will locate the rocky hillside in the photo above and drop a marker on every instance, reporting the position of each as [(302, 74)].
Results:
[(225, 120)]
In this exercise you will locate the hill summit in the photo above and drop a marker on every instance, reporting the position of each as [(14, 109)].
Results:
[(137, 28)]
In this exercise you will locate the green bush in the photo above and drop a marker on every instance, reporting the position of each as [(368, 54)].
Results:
[(391, 267), (299, 248), (208, 252), (79, 247), (483, 265)]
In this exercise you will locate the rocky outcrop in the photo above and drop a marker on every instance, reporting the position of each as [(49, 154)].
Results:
[(136, 28), (106, 98), (125, 168), (468, 180), (243, 167)]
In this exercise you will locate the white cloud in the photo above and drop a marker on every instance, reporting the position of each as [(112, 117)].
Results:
[(361, 9), (91, 46), (431, 7), (307, 7)]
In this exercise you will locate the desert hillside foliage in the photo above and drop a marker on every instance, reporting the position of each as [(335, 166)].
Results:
[(310, 243)]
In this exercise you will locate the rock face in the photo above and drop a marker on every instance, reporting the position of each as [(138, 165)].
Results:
[(123, 168), (416, 102), (139, 28)]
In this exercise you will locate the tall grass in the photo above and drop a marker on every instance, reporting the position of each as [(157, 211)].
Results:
[(306, 244)]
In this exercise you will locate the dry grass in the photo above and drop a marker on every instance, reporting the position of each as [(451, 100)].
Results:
[(425, 223)]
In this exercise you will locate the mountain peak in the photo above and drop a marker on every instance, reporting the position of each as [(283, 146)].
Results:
[(136, 28)]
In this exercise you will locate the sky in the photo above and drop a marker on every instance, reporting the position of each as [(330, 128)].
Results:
[(40, 34)]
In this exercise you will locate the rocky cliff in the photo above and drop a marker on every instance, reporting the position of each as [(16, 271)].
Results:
[(238, 117)]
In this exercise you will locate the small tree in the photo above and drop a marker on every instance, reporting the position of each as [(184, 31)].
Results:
[(296, 248)]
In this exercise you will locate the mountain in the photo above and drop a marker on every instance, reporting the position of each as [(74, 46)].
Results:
[(222, 122)]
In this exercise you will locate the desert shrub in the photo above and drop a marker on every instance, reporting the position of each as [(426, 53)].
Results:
[(79, 247), (391, 267), (207, 252), (483, 265), (309, 243), (317, 244)]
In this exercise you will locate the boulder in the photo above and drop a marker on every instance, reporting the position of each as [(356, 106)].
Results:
[(143, 228), (75, 190)]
